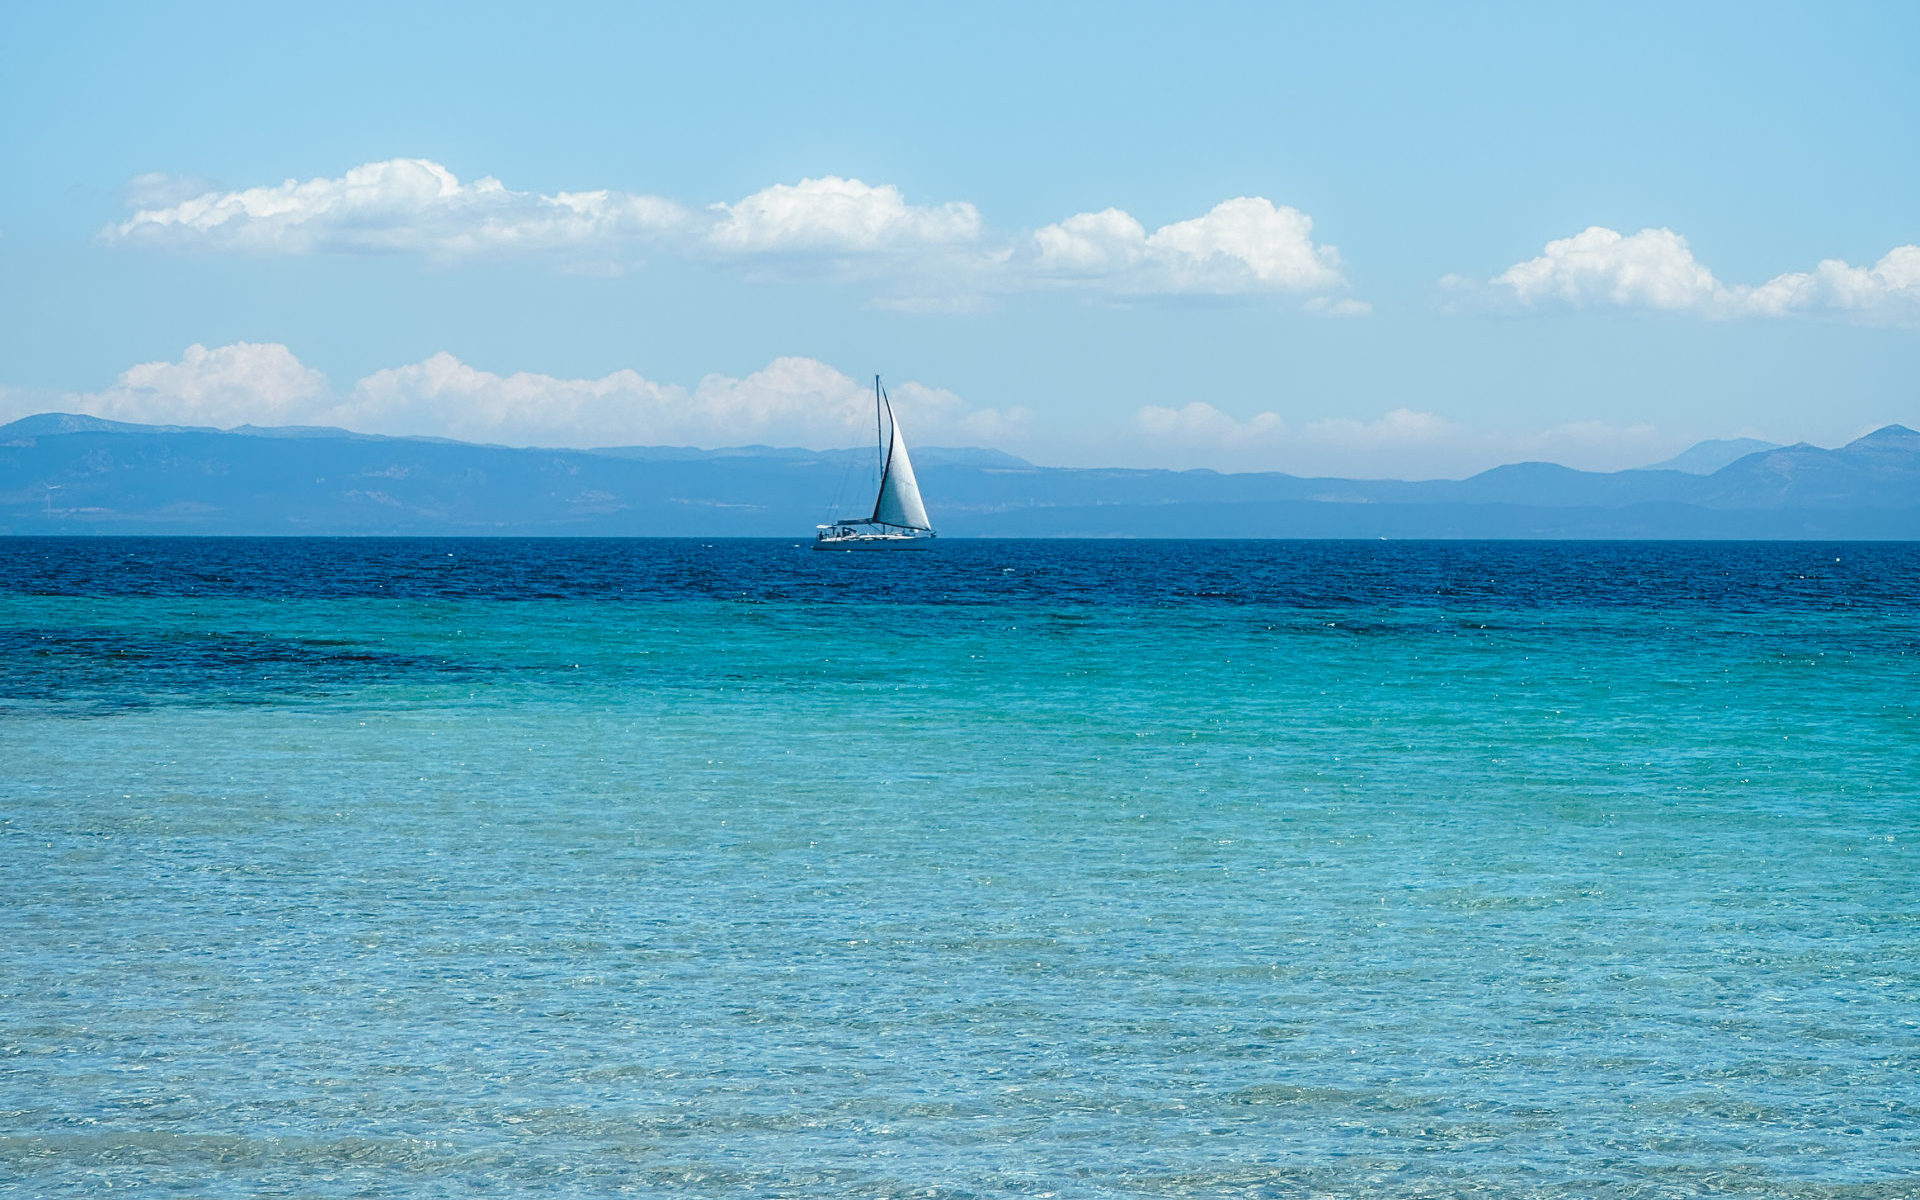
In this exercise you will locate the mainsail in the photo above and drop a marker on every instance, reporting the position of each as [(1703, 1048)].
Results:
[(899, 500)]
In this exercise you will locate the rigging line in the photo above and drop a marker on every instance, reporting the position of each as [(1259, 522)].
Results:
[(848, 461), (852, 460)]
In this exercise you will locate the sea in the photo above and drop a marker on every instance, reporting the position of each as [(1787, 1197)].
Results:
[(579, 868)]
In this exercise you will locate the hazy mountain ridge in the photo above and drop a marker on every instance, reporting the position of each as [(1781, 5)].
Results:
[(67, 473), (1704, 458)]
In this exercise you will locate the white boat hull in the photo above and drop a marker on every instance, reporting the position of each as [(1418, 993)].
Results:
[(880, 541)]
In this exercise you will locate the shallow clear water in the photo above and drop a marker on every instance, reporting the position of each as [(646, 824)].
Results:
[(428, 868)]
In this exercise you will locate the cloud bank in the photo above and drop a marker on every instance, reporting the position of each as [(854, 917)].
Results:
[(790, 402), (1655, 269), (1243, 246), (797, 401)]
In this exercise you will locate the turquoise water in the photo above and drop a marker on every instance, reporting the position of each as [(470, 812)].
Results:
[(581, 869)]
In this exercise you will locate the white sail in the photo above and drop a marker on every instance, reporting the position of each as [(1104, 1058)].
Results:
[(899, 501)]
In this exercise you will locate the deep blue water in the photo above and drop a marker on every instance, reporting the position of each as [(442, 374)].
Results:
[(581, 868)]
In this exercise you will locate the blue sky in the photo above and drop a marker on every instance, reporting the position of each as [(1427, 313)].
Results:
[(1355, 239)]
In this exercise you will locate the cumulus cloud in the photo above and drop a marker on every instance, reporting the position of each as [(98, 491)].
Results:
[(1656, 269), (1889, 288), (1247, 244), (446, 397), (1242, 245), (1651, 269), (791, 401), (404, 204), (246, 382), (1091, 244), (834, 214), (932, 257)]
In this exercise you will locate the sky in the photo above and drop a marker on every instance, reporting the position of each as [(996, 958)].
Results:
[(1373, 240)]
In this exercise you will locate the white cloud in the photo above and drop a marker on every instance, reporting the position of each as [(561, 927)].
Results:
[(1402, 426), (246, 382), (157, 189), (927, 257), (1890, 289), (1199, 434), (1245, 244), (1091, 244), (404, 204), (791, 401), (1242, 245), (1347, 307), (445, 397), (1655, 269), (1404, 443), (833, 214), (1203, 425), (1651, 269), (1593, 445)]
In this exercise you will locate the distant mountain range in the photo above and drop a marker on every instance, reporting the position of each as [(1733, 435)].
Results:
[(62, 473)]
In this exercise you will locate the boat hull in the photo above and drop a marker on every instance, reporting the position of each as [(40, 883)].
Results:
[(872, 543)]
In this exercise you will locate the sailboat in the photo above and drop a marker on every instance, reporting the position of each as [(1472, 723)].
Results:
[(899, 520)]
